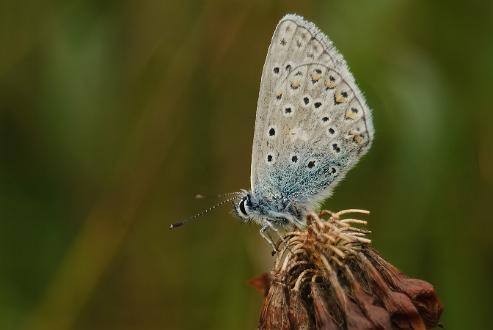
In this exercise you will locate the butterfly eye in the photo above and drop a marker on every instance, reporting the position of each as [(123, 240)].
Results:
[(242, 207)]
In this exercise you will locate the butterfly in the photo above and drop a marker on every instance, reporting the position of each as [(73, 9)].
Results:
[(312, 126)]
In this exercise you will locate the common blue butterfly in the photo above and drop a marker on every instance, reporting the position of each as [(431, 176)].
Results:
[(312, 126)]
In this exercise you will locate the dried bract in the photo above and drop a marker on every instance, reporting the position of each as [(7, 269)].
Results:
[(329, 277)]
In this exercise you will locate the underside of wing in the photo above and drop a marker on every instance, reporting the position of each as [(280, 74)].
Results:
[(312, 122)]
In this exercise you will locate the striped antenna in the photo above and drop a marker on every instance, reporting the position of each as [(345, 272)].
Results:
[(204, 212), (202, 196)]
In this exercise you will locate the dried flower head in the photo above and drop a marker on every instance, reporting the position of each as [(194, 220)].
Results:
[(329, 277)]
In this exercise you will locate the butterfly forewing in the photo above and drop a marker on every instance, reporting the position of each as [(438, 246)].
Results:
[(312, 122)]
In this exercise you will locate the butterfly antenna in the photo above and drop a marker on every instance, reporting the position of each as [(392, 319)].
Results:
[(202, 196), (236, 193), (204, 212)]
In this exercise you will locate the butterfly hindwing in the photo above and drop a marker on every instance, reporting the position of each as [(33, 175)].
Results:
[(312, 123)]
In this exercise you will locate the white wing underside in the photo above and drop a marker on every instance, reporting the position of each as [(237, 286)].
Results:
[(312, 123)]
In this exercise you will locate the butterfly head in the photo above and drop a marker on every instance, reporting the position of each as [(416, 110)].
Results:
[(244, 207)]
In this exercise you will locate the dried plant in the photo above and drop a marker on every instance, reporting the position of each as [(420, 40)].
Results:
[(329, 277)]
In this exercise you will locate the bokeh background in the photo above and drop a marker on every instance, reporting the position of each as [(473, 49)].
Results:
[(114, 114)]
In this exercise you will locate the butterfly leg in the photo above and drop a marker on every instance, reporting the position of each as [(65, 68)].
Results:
[(266, 236), (294, 221), (297, 223), (283, 219)]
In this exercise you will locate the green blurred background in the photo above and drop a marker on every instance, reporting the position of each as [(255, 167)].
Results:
[(114, 114)]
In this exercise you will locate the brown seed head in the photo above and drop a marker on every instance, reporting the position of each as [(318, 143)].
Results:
[(329, 277)]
